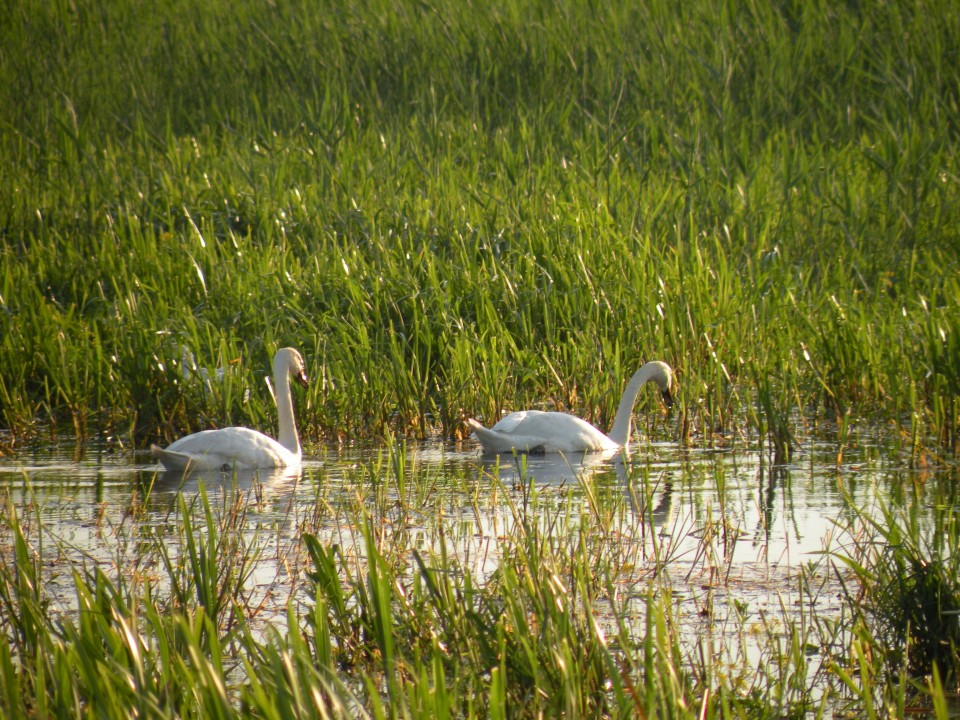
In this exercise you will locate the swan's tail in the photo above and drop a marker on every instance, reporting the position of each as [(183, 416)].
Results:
[(489, 439), (477, 428), (497, 442), (170, 460)]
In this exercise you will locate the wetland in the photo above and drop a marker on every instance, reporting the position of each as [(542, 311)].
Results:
[(454, 211)]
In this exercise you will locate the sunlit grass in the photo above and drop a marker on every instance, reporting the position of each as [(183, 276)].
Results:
[(461, 210), (904, 598)]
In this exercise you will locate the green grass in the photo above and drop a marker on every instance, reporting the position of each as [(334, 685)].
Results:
[(469, 209), (903, 591)]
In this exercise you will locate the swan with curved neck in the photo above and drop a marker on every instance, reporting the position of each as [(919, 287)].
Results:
[(537, 431), (240, 448)]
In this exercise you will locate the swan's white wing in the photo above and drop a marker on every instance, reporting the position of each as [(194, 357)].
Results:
[(510, 423), (496, 442), (562, 432), (538, 431)]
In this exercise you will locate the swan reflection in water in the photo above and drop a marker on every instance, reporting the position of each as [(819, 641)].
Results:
[(572, 468), (545, 469), (273, 481)]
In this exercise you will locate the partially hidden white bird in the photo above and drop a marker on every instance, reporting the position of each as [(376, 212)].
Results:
[(537, 431), (189, 369), (240, 448)]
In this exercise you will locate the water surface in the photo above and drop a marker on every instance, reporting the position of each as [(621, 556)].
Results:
[(725, 531)]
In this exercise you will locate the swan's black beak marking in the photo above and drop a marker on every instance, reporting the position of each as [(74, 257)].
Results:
[(667, 398), (301, 377)]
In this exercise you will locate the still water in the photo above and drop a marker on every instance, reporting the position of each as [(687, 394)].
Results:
[(776, 518), (729, 533)]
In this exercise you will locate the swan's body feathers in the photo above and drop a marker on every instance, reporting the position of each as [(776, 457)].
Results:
[(226, 449), (538, 431)]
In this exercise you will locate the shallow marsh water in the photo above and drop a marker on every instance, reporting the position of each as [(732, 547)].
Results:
[(738, 544), (776, 518)]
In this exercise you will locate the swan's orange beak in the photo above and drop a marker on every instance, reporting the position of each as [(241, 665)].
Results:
[(301, 377)]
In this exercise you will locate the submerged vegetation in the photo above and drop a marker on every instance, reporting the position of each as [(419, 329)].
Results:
[(459, 209)]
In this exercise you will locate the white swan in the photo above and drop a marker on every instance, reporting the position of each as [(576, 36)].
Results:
[(239, 448), (536, 431), (189, 369)]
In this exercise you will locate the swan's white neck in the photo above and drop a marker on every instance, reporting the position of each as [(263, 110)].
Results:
[(287, 436), (655, 370)]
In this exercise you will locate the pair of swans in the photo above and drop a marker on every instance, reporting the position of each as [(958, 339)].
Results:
[(240, 448), (537, 431), (530, 431)]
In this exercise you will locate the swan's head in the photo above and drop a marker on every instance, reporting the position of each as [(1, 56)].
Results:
[(662, 375), (290, 360)]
